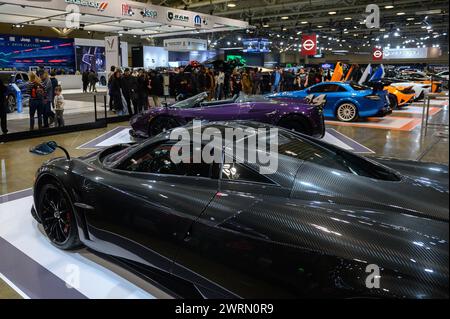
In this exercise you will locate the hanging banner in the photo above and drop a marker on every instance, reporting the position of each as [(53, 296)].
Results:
[(377, 54), (112, 55), (309, 45)]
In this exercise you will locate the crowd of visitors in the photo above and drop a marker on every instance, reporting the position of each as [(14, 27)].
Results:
[(132, 92)]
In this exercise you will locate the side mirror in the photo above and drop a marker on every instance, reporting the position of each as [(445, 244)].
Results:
[(48, 148)]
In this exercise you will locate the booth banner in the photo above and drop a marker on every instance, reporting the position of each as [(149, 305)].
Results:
[(132, 10), (377, 54), (185, 44), (412, 53), (112, 54), (309, 45)]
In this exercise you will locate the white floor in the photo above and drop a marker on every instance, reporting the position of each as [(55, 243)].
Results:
[(77, 269)]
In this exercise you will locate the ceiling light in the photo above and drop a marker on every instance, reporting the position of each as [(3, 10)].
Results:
[(389, 7), (285, 18), (400, 13), (265, 25), (332, 12), (304, 22), (410, 19), (347, 18), (319, 26), (231, 5)]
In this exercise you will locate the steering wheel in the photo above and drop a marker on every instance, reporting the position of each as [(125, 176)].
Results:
[(163, 165)]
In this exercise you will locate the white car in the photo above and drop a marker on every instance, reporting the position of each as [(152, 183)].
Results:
[(443, 75), (419, 89)]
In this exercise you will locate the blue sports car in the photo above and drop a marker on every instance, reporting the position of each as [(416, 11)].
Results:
[(346, 101)]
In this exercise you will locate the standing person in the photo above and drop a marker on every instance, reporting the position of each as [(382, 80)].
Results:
[(3, 107), (128, 88), (36, 92), (116, 92), (93, 79), (247, 86), (220, 82), (209, 83), (275, 81), (58, 104), (47, 113), (236, 83), (85, 80), (109, 83), (54, 84), (142, 93), (156, 87), (257, 80)]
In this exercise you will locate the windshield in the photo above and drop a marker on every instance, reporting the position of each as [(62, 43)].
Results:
[(253, 98), (293, 146), (191, 102)]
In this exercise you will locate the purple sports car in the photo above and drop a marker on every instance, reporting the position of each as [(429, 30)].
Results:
[(298, 115)]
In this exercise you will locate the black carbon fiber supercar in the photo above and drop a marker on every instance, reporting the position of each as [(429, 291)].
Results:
[(327, 224)]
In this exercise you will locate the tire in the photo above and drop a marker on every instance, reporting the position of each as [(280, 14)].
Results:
[(295, 123), (393, 102), (161, 124), (347, 112), (11, 103), (56, 213)]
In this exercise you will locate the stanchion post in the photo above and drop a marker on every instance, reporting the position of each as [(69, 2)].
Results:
[(95, 107)]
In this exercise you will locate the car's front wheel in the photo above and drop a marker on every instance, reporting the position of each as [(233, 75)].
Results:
[(393, 103), (162, 124), (347, 112), (11, 103), (57, 216)]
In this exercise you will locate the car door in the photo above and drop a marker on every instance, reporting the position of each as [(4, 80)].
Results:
[(143, 207), (218, 256), (218, 112), (333, 92)]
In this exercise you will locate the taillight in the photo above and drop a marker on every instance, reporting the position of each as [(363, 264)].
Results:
[(373, 97)]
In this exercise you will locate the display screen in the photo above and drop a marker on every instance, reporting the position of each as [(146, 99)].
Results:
[(256, 46), (90, 58), (24, 53)]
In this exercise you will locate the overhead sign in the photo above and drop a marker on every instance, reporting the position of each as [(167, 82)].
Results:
[(185, 44), (309, 45), (412, 53), (377, 54)]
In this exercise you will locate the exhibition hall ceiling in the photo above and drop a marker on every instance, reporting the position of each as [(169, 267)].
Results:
[(401, 21)]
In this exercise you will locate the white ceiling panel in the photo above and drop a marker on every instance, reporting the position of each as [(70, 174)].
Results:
[(28, 11), (102, 28), (8, 18)]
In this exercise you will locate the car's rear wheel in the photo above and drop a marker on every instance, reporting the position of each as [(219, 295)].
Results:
[(347, 112), (11, 103), (57, 216), (162, 124), (295, 123), (393, 103)]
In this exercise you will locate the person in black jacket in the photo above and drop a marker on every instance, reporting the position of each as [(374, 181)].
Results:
[(156, 87), (142, 91), (85, 80), (128, 89), (3, 107), (116, 92)]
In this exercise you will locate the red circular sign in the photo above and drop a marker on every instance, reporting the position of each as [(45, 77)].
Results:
[(378, 54), (309, 45)]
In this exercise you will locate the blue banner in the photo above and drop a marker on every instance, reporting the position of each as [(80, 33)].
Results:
[(24, 53)]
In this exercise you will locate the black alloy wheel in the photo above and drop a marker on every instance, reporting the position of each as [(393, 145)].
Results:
[(57, 217)]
